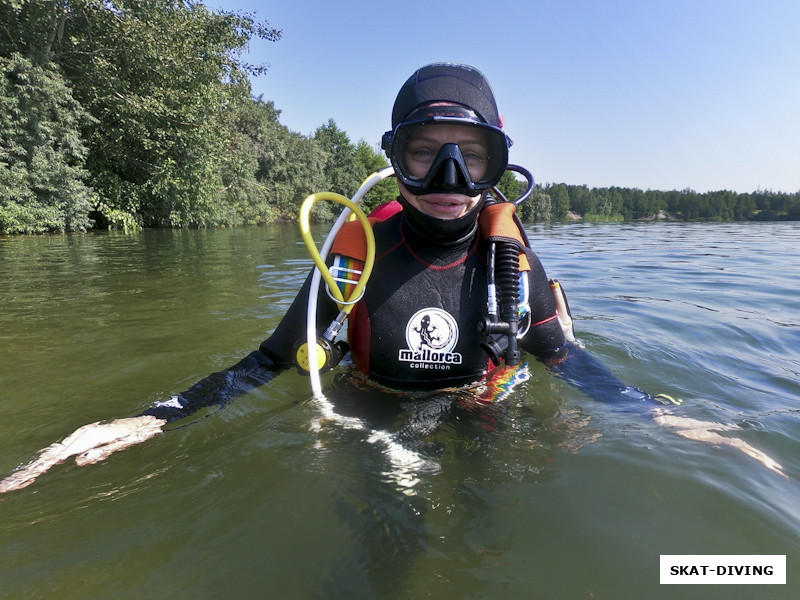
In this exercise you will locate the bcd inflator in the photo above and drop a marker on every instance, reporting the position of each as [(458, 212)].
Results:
[(499, 330)]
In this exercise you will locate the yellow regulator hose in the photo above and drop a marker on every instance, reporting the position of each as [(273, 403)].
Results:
[(345, 304), (322, 271)]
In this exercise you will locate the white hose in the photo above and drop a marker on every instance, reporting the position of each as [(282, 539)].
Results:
[(311, 312), (407, 464)]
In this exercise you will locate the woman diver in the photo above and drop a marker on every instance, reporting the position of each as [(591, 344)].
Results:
[(440, 253)]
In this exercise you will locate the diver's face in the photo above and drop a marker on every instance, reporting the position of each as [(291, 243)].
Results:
[(420, 151)]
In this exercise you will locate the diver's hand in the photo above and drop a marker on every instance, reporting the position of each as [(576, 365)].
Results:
[(89, 444), (705, 431)]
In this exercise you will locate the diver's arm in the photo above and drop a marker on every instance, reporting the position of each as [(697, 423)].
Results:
[(253, 371), (578, 367), (258, 368), (544, 336), (585, 372), (567, 359), (278, 347), (546, 339), (89, 444), (96, 441)]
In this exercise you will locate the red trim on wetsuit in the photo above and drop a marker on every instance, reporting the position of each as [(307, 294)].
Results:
[(543, 321)]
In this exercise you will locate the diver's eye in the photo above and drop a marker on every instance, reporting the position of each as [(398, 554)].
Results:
[(474, 159), (421, 154)]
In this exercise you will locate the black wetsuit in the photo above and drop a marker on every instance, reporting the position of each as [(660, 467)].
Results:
[(416, 327), (417, 324)]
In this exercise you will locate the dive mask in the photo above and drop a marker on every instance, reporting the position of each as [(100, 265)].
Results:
[(447, 150)]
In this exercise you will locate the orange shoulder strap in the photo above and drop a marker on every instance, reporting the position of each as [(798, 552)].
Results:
[(497, 223), (351, 240)]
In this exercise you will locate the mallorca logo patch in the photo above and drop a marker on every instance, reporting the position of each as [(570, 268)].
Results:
[(431, 336)]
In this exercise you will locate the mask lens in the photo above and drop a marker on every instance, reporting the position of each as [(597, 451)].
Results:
[(424, 144), (419, 148)]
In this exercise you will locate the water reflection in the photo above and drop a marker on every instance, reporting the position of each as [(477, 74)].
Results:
[(472, 449), (545, 494)]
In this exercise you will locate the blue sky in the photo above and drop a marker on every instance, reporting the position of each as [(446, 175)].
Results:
[(701, 94)]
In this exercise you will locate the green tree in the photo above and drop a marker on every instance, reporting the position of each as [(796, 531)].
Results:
[(582, 200), (160, 78), (343, 173), (639, 201), (346, 168), (269, 170), (745, 207), (690, 204), (542, 207), (42, 175), (510, 186), (617, 204), (559, 200), (536, 208), (604, 208), (371, 162), (793, 207)]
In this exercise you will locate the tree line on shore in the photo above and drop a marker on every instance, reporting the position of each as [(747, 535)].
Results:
[(140, 113), (561, 201)]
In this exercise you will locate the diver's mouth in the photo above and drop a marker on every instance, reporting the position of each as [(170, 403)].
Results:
[(443, 206)]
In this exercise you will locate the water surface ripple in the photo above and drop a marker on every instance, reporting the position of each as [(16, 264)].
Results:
[(546, 494)]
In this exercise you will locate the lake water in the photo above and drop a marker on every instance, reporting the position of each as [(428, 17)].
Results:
[(544, 495)]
